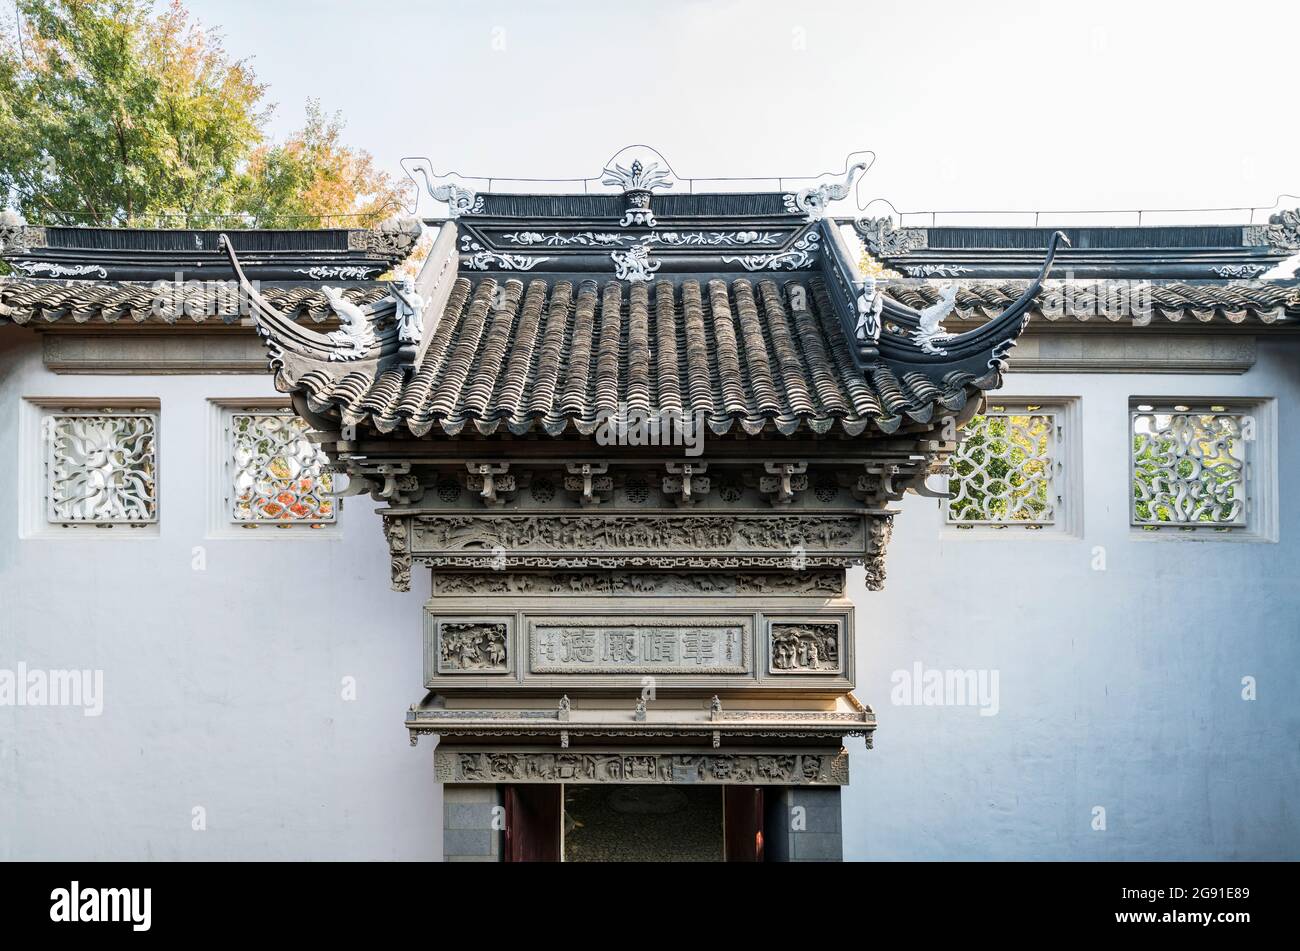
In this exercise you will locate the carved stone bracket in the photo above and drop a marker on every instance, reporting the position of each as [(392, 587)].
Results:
[(390, 482), (686, 482), (881, 528), (889, 482), (784, 481), (588, 481), (868, 488), (490, 481), (396, 530)]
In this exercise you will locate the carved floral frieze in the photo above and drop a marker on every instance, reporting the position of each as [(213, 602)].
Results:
[(794, 769), (637, 582), (446, 534), (713, 543)]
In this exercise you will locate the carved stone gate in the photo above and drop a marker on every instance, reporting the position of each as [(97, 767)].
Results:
[(638, 438)]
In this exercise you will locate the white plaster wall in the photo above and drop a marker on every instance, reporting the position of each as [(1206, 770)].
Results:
[(223, 687), (1118, 688)]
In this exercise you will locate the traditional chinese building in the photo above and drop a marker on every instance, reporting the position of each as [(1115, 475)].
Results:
[(638, 438), (632, 443)]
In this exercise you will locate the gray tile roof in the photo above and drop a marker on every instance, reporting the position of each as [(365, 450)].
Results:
[(26, 301), (1230, 302), (556, 354)]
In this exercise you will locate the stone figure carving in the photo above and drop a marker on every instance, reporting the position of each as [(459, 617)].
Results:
[(409, 315), (871, 302), (931, 320), (812, 202), (634, 264), (472, 646), (806, 647), (355, 335), (460, 201)]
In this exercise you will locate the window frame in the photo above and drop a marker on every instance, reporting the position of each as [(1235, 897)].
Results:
[(1259, 469), (221, 518), (1066, 477), (36, 518)]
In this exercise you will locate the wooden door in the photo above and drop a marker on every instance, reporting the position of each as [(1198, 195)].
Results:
[(532, 823), (742, 823)]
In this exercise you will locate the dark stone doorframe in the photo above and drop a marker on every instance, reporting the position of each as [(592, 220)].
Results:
[(534, 814)]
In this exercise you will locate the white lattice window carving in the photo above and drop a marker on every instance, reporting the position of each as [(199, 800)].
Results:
[(276, 474), (1191, 466), (1005, 470), (101, 468)]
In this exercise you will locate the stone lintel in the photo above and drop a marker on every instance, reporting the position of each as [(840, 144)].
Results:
[(820, 767)]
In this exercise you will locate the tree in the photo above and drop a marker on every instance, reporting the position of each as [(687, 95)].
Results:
[(313, 175), (112, 115)]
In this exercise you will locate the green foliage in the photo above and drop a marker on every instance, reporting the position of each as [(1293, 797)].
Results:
[(314, 172), (112, 115), (1186, 469), (1000, 471)]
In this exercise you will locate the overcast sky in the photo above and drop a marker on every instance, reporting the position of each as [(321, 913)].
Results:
[(1012, 105)]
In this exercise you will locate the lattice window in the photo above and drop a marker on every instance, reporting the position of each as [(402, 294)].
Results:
[(101, 468), (1005, 470), (1190, 467), (276, 474)]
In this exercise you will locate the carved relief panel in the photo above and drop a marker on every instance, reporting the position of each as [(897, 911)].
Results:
[(602, 641), (812, 645), (472, 645)]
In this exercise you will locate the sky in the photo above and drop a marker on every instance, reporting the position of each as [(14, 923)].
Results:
[(968, 106)]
